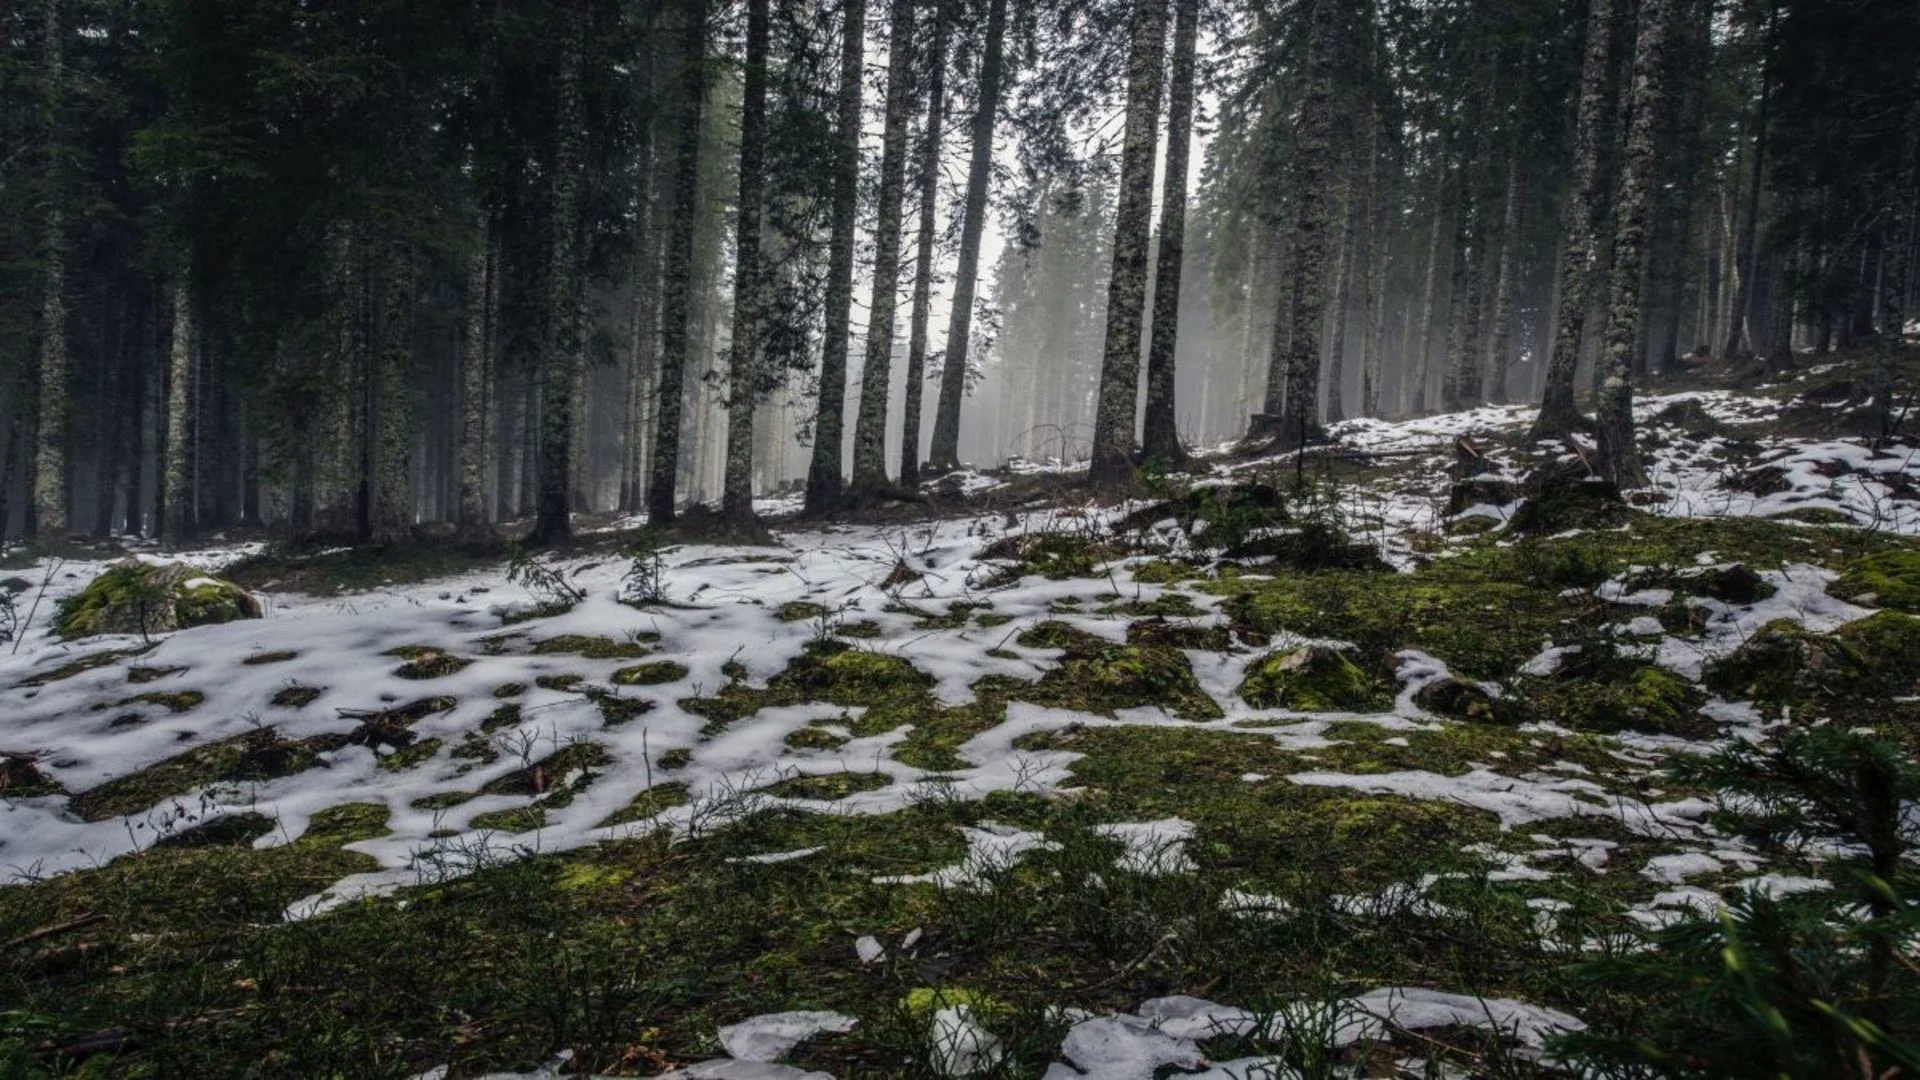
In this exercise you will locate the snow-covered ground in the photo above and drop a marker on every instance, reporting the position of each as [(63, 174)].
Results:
[(725, 610)]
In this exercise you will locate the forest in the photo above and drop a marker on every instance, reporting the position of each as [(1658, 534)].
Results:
[(355, 269), (811, 539)]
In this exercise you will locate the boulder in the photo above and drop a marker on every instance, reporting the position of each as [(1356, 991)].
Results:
[(134, 596)]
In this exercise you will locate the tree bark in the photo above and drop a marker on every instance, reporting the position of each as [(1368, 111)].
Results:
[(1619, 455), (1558, 414), (1376, 252), (50, 496), (476, 371), (876, 374), (1161, 440), (1416, 373), (944, 454), (561, 359), (923, 267), (176, 486), (1300, 422), (1113, 444), (749, 285), (1342, 300), (1746, 256), (824, 480), (1507, 282), (676, 312)]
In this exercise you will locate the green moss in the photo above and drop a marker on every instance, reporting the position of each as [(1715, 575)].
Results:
[(174, 701), (1785, 664), (655, 673), (849, 676), (677, 758), (1311, 679), (1891, 578), (646, 804), (923, 1001), (257, 755), (508, 690), (503, 716), (864, 630), (1103, 677), (408, 756), (83, 664), (347, 823), (517, 820), (135, 597), (276, 657), (829, 786), (425, 662), (592, 648), (542, 776), (563, 681), (1636, 697), (295, 696), (441, 800), (799, 611), (151, 674), (1887, 645), (814, 738)]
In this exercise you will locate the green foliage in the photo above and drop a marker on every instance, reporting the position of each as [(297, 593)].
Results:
[(542, 576), (1813, 985)]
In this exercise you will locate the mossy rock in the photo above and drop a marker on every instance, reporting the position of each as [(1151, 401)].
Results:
[(1887, 645), (1458, 699), (1311, 678), (655, 673), (1633, 697), (1561, 504), (136, 597), (1785, 664), (1886, 579), (843, 675), (1103, 677)]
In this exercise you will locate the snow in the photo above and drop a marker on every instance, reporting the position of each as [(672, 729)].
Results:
[(769, 1038)]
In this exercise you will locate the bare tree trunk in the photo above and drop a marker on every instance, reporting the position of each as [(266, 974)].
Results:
[(1507, 282), (1739, 334), (561, 359), (1354, 213), (390, 424), (50, 496), (676, 310), (876, 374), (1416, 375), (1558, 414), (476, 371), (824, 481), (177, 501), (929, 180), (1161, 440), (944, 454), (749, 285), (1619, 455), (1378, 246), (1112, 467)]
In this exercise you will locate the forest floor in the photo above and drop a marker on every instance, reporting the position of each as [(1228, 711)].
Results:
[(1305, 765)]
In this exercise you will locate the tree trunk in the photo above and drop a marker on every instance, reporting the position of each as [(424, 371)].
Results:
[(944, 454), (1619, 455), (676, 309), (1896, 271), (176, 485), (1377, 248), (643, 356), (1558, 414), (1342, 300), (1739, 333), (1416, 376), (1161, 441), (561, 358), (476, 368), (1507, 282), (1112, 466), (50, 497), (749, 287), (390, 423), (824, 481), (1300, 422), (923, 266), (876, 374)]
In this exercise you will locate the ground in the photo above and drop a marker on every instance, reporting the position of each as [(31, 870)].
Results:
[(1214, 779)]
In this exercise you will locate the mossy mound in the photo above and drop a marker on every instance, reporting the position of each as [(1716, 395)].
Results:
[(135, 597), (1635, 697), (1887, 645), (829, 787), (1561, 504), (1785, 664), (841, 674), (1311, 678), (1100, 677), (1056, 555), (1887, 579), (655, 673)]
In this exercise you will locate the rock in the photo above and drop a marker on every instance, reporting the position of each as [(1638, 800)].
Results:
[(1311, 678), (137, 597), (1458, 699), (1736, 584), (1481, 490)]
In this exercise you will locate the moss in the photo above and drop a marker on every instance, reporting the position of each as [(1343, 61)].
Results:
[(563, 681), (616, 710), (1458, 699), (814, 738), (517, 820), (1056, 555), (1163, 572), (799, 611), (441, 800), (257, 755), (475, 749), (508, 690), (295, 696), (655, 673), (1887, 644), (503, 716), (1890, 578), (1311, 678), (226, 830), (1785, 664), (647, 804), (427, 663), (540, 777), (677, 758), (367, 566), (829, 786), (411, 755), (849, 676), (151, 674), (1635, 697), (1105, 677), (922, 1001), (347, 823), (276, 657), (83, 664), (591, 648), (1053, 634), (1180, 635), (174, 701), (864, 630), (135, 597)]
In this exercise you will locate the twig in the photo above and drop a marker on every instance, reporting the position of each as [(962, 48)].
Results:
[(55, 930), (44, 582)]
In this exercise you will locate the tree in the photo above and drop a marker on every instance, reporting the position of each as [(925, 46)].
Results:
[(870, 427), (749, 285), (944, 454), (1313, 177), (1113, 442), (823, 475), (929, 180), (1558, 414), (676, 312), (50, 496), (561, 359), (1161, 439), (1619, 455)]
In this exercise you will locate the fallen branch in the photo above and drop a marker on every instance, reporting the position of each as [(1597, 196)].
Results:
[(54, 930)]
